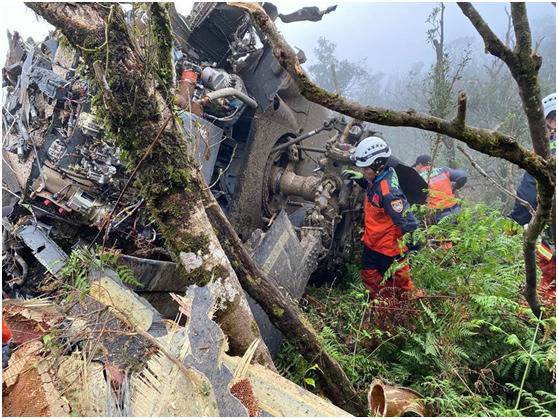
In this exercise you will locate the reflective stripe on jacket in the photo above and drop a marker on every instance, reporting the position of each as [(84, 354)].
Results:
[(440, 193), (544, 250)]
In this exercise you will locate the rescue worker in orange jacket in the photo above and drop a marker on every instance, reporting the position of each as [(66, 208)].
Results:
[(527, 190), (385, 217), (442, 182)]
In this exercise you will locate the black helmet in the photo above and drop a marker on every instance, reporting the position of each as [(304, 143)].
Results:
[(423, 160)]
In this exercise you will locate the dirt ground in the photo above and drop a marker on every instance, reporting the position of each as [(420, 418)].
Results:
[(26, 397)]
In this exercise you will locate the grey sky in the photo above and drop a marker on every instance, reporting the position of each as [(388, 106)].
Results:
[(391, 35)]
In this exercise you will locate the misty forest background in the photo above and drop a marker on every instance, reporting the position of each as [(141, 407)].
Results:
[(457, 64)]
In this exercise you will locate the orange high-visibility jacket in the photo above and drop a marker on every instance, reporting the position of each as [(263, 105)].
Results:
[(440, 193), (385, 220)]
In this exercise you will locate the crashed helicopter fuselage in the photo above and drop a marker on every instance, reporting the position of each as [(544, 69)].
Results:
[(272, 159)]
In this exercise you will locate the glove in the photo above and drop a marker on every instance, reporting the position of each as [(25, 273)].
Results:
[(413, 247), (352, 174)]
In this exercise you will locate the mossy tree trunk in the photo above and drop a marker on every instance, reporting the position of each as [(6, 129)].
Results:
[(134, 99)]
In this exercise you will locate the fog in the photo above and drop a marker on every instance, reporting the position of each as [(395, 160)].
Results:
[(392, 36)]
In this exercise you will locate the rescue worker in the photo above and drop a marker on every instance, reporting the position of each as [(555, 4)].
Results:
[(385, 217), (442, 182), (527, 190)]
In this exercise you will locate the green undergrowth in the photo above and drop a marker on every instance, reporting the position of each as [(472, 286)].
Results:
[(83, 260), (470, 346)]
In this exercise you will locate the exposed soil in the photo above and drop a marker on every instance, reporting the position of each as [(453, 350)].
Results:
[(26, 397)]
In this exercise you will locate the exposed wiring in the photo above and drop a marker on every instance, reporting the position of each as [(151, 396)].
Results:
[(222, 171)]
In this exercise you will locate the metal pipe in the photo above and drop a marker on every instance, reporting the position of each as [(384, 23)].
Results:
[(313, 149), (293, 184), (298, 139), (385, 400), (230, 91)]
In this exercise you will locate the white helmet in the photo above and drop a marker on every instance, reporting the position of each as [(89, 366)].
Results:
[(372, 151), (549, 104)]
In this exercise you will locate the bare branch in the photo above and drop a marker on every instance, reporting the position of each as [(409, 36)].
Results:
[(459, 119), (492, 43), (521, 29), (523, 64), (487, 176), (508, 39), (534, 229), (459, 69)]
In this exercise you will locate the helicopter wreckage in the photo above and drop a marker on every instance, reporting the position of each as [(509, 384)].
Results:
[(272, 159)]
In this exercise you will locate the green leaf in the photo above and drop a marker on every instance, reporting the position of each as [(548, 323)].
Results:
[(310, 382), (513, 340)]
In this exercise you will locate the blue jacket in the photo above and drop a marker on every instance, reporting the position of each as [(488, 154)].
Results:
[(527, 190), (389, 201)]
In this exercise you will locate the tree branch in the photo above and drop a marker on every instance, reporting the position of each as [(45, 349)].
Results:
[(459, 119), (492, 43), (521, 30), (487, 176), (524, 66)]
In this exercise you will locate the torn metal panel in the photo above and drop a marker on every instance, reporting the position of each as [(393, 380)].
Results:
[(207, 345), (35, 236), (48, 82), (263, 76), (155, 275), (281, 255), (24, 85), (207, 138)]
